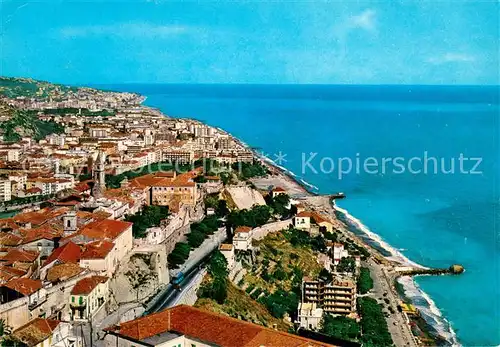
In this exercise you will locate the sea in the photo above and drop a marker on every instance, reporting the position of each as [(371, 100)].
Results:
[(418, 164)]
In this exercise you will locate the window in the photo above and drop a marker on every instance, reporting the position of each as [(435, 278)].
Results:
[(72, 299)]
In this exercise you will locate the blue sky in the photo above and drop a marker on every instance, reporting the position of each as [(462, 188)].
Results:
[(379, 42)]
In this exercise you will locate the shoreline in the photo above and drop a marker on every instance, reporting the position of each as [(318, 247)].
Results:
[(436, 324), (366, 238)]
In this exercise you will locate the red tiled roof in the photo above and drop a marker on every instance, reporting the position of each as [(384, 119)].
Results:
[(20, 255), (25, 286), (68, 253), (242, 229), (7, 239), (61, 272), (44, 232), (87, 285), (304, 214), (36, 331), (279, 189), (105, 229), (210, 327), (97, 249)]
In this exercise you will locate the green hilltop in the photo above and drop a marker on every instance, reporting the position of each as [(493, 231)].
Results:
[(13, 87)]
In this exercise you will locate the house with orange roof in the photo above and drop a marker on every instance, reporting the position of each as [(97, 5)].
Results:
[(277, 191), (88, 296), (168, 191), (18, 297), (242, 239), (188, 326), (46, 332), (302, 220), (40, 239), (100, 256), (118, 232), (18, 258)]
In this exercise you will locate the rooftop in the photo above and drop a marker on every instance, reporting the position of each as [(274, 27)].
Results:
[(68, 253), (86, 285), (208, 327), (25, 286), (36, 331), (97, 249)]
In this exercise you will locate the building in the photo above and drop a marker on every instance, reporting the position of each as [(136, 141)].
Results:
[(168, 189), (99, 176), (338, 252), (186, 326), (337, 297), (302, 220), (88, 296), (227, 250), (5, 190), (46, 333), (242, 239), (309, 316), (277, 191), (100, 256)]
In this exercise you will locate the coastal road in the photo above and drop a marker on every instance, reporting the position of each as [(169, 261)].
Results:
[(396, 322)]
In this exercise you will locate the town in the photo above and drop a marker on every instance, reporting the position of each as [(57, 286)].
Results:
[(122, 226)]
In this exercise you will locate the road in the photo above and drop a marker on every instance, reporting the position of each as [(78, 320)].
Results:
[(396, 322)]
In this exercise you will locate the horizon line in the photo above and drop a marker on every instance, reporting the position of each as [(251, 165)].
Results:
[(252, 83)]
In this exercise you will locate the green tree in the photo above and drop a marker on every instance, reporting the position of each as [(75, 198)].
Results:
[(346, 264), (340, 327), (365, 281), (373, 323)]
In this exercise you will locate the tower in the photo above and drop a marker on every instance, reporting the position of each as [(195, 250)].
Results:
[(70, 223), (99, 176)]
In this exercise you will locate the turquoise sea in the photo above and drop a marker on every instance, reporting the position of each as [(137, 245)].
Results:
[(434, 219)]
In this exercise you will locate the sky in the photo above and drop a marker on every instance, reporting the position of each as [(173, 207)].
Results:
[(449, 42)]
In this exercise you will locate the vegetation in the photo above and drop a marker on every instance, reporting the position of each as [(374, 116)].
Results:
[(241, 306), (255, 217), (15, 201), (365, 281), (81, 111), (346, 264), (249, 170), (150, 216), (220, 205), (199, 232), (25, 123), (179, 255), (301, 238), (340, 327), (281, 302), (26, 87), (217, 287), (373, 323), (276, 274), (279, 204)]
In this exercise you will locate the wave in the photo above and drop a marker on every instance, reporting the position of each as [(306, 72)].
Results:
[(395, 254), (427, 307)]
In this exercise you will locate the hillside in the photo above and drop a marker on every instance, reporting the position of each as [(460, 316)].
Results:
[(26, 87), (26, 123), (239, 305)]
